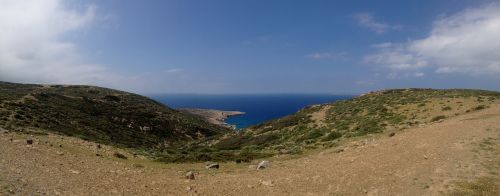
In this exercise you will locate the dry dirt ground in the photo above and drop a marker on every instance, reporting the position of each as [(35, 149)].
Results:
[(459, 156)]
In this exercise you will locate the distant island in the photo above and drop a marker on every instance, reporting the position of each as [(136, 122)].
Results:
[(217, 117)]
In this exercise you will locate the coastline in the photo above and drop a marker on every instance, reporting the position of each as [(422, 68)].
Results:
[(213, 116)]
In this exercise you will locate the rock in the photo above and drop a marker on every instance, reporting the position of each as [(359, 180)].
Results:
[(267, 182), (392, 134), (98, 146), (263, 165), (190, 175), (425, 157), (74, 171), (29, 141), (59, 153), (212, 166)]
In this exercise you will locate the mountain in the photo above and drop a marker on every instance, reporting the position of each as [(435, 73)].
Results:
[(99, 114)]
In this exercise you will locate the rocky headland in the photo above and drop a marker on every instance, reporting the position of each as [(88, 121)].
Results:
[(212, 116)]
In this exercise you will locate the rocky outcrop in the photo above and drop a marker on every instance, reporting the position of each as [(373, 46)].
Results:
[(212, 116)]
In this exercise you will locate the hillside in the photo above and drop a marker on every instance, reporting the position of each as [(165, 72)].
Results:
[(458, 156), (98, 114), (127, 120), (326, 126)]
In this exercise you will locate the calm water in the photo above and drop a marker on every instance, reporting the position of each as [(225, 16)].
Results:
[(258, 108)]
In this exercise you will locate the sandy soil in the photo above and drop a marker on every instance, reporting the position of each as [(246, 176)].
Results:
[(426, 160)]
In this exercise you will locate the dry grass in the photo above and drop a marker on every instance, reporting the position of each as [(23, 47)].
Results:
[(482, 186)]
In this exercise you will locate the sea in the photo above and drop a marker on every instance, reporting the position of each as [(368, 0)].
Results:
[(258, 108)]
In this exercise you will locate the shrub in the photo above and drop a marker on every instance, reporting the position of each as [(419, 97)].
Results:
[(480, 107), (119, 155), (437, 118), (332, 136), (315, 133)]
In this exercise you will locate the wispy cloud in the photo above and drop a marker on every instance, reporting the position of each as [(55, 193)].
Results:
[(466, 42), (367, 20), (174, 70), (328, 55)]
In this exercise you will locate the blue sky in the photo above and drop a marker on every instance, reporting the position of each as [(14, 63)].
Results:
[(258, 46)]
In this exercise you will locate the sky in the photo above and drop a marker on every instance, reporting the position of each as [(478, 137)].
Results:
[(253, 46)]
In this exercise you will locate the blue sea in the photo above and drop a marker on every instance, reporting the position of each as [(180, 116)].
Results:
[(258, 108)]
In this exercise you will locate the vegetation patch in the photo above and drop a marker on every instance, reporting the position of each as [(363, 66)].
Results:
[(480, 186), (119, 155), (438, 118)]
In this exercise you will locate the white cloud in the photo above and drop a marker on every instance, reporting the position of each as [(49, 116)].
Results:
[(466, 42), (395, 56), (328, 55), (419, 74), (32, 48), (368, 20), (173, 71)]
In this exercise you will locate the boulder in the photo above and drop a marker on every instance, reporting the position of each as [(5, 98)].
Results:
[(392, 134), (190, 175), (212, 166), (263, 165)]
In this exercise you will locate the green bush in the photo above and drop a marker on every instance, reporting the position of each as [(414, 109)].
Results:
[(332, 136), (119, 155), (447, 108), (437, 118), (480, 107)]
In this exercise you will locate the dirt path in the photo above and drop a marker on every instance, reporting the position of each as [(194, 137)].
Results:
[(428, 160)]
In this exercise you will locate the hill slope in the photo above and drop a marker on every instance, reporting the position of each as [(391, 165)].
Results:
[(459, 156), (324, 126), (128, 120), (98, 114)]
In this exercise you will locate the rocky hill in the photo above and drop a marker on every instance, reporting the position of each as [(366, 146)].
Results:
[(457, 155), (98, 114), (403, 141), (327, 125), (127, 120)]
